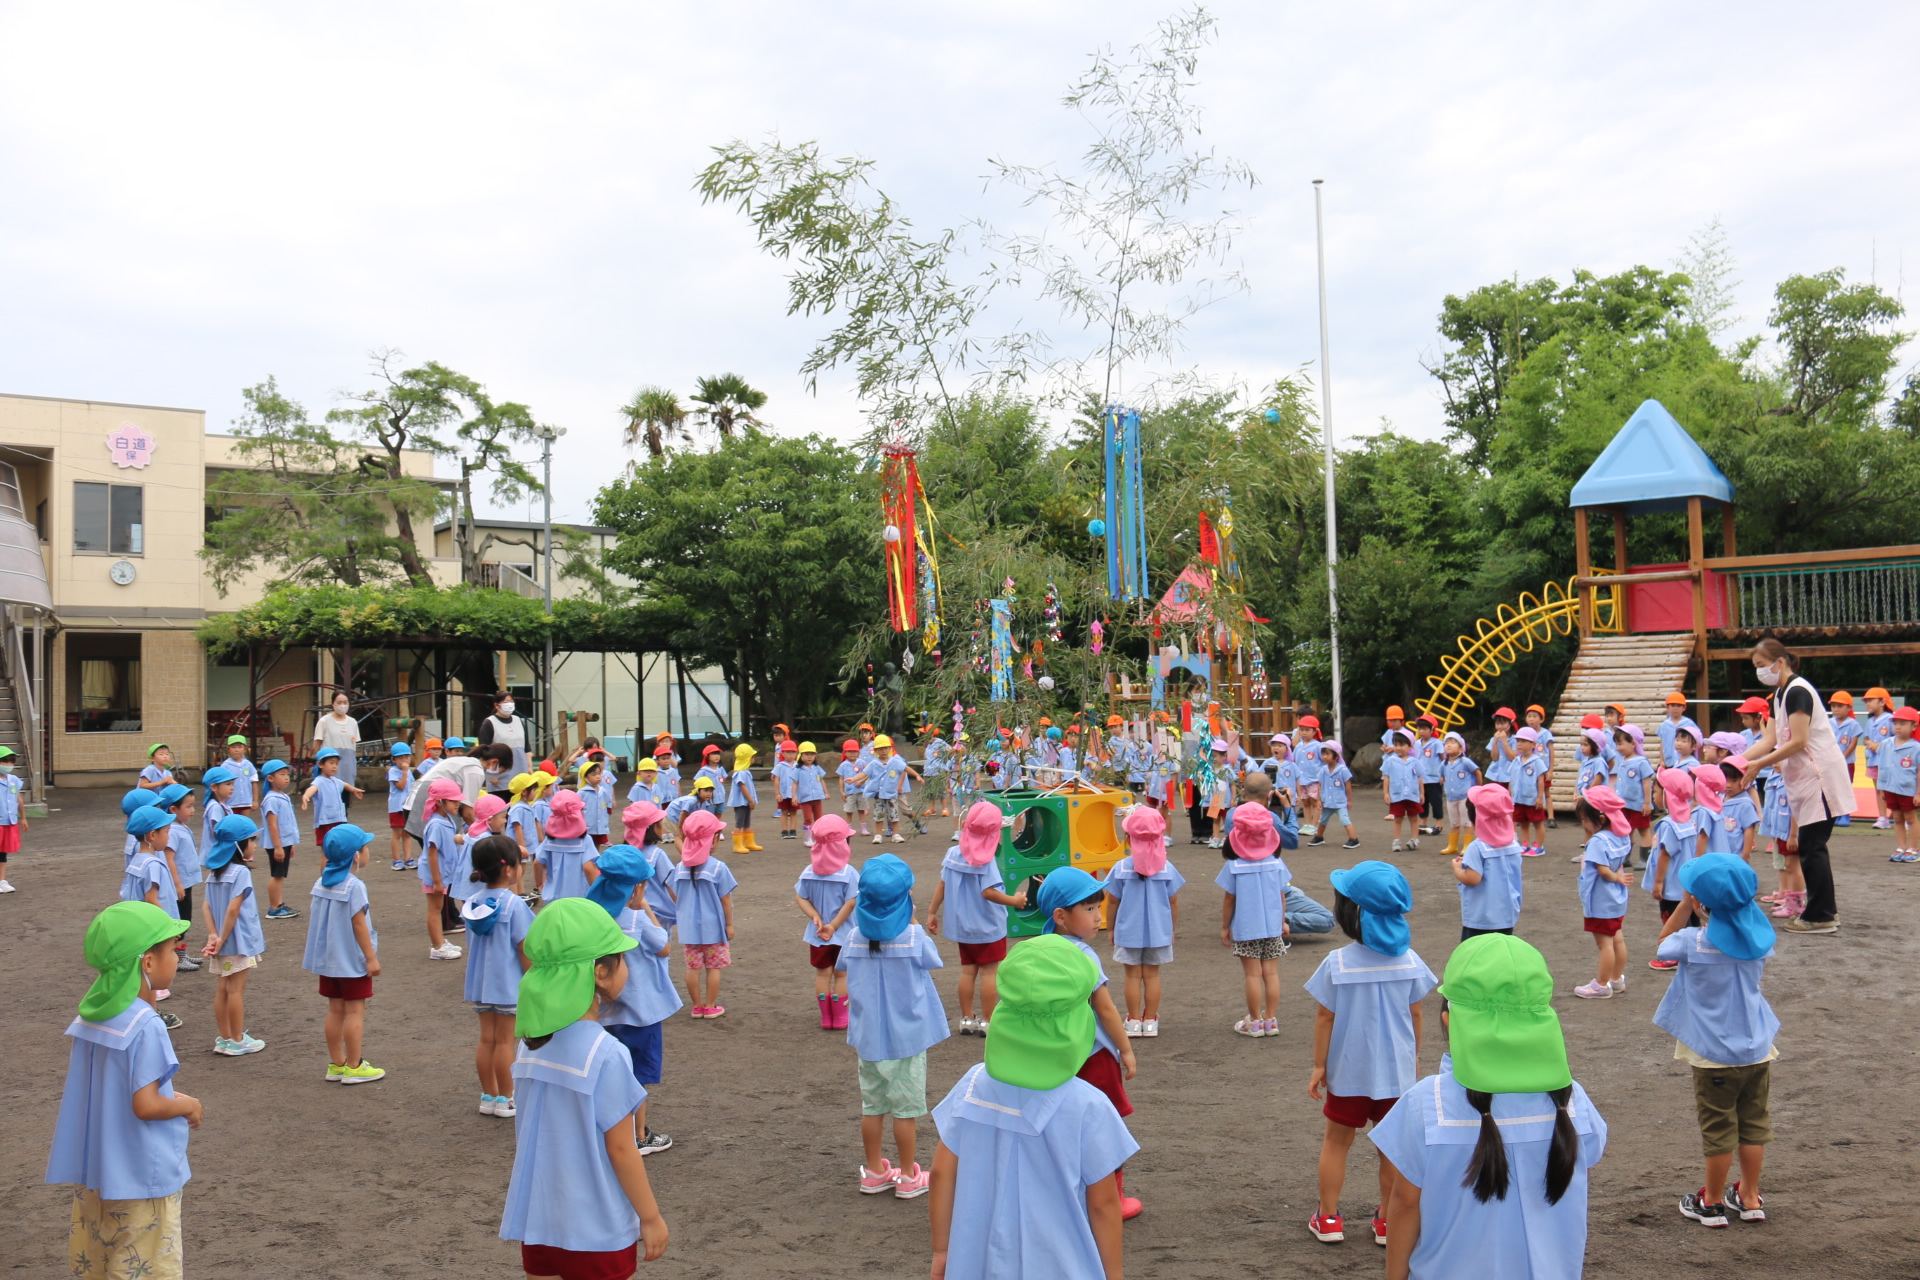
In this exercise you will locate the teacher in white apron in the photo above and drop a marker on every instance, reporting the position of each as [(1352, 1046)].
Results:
[(339, 730), (1798, 741), (509, 730)]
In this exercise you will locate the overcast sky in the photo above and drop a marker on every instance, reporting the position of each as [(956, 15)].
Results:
[(195, 196)]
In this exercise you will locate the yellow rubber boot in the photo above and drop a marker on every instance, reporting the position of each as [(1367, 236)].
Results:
[(738, 846), (753, 843)]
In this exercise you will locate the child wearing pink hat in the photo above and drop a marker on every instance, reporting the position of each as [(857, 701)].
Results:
[(827, 892), (1603, 886), (1678, 839), (567, 848), (440, 845), (1633, 782), (974, 893), (703, 888), (1739, 822), (1489, 868), (1145, 889), (1253, 921)]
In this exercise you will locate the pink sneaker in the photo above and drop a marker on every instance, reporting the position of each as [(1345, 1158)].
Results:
[(872, 1183), (1595, 990), (912, 1183)]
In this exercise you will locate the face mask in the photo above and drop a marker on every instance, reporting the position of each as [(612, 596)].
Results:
[(1769, 676), (6, 768), (506, 709)]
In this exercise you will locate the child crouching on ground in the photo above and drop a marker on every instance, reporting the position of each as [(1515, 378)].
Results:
[(1145, 889), (121, 1138), (1366, 1032)]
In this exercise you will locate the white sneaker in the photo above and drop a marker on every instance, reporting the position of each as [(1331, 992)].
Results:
[(966, 1026), (877, 837), (504, 1108), (1133, 1028), (445, 951), (1396, 846), (1413, 844), (486, 1104), (898, 838), (5, 887), (1149, 1028), (1618, 984)]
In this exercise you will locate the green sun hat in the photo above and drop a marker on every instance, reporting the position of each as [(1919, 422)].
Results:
[(115, 941), (565, 940), (1042, 1029), (1501, 1027), (239, 738)]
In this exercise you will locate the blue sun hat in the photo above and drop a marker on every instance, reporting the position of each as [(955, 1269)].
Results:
[(1063, 887), (217, 775), (138, 798), (1725, 885), (228, 835), (343, 842), (146, 820), (171, 795), (326, 753), (1384, 897), (884, 908), (621, 868), (272, 767), (399, 749)]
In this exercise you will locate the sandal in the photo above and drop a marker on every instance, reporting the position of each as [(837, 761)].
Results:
[(1250, 1027)]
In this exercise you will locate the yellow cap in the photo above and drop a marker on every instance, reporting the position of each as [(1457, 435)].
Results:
[(805, 747), (742, 752), (883, 741), (519, 782), (647, 765), (703, 784)]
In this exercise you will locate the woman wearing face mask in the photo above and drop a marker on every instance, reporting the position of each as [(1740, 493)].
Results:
[(340, 731), (1799, 742), (504, 727)]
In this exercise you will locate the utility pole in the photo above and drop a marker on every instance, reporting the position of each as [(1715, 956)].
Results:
[(547, 434), (1326, 436)]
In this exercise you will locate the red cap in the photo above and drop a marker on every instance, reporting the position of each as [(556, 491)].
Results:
[(1309, 722), (664, 749), (1754, 707), (1431, 719), (1907, 713), (1592, 722), (1507, 712), (711, 749), (850, 746)]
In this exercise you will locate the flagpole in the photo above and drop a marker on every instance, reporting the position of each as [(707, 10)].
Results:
[(1326, 435)]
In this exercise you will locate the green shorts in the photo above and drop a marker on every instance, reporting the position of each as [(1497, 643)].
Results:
[(1732, 1105), (895, 1087)]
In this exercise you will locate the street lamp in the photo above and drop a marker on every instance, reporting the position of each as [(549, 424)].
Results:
[(1326, 435)]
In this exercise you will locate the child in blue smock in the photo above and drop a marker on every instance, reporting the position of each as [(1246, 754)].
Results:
[(702, 796), (1426, 759), (636, 1017), (1400, 774), (1594, 769), (1710, 784), (1336, 781), (1879, 729), (853, 799), (1677, 721), (1253, 915), (149, 877), (1306, 760), (1025, 1182), (183, 858), (702, 888), (234, 941), (1633, 781), (327, 793), (1489, 870), (1145, 888), (121, 1137), (1776, 828), (400, 777), (593, 804), (245, 776), (279, 834), (578, 1200), (786, 753), (1458, 775), (343, 951), (497, 923), (1723, 1028), (974, 893), (1501, 752), (567, 848), (1604, 882), (1366, 1032), (159, 769), (646, 779), (895, 1017), (810, 790), (1677, 838), (138, 798), (522, 824), (1898, 781), (1530, 769), (1505, 1088), (885, 778), (645, 824), (825, 893), (1537, 721), (219, 784), (440, 853)]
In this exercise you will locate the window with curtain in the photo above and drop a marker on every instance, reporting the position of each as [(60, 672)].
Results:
[(103, 682)]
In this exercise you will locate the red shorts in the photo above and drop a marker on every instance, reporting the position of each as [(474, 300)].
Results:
[(823, 957), (573, 1264), (786, 806), (10, 837), (1356, 1113), (1529, 813), (1894, 804), (983, 952), (599, 842), (320, 834), (1102, 1071), (1406, 808), (1638, 821), (360, 988), (1608, 927), (809, 811), (397, 819)]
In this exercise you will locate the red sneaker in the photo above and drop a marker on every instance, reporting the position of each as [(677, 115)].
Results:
[(1379, 1229), (1664, 966), (1327, 1228), (1129, 1208)]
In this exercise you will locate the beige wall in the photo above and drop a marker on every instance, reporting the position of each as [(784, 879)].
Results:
[(173, 710)]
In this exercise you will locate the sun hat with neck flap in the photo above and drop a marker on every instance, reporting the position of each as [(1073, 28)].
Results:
[(144, 821), (116, 939), (1492, 814), (228, 835), (1608, 803), (979, 833), (884, 908), (1254, 837), (622, 867), (561, 946), (1042, 1029), (1146, 839), (1384, 897), (697, 835), (638, 818), (342, 844), (1064, 887), (1724, 884), (565, 817), (832, 848), (1501, 1027)]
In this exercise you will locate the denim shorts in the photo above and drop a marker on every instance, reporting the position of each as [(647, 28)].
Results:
[(481, 1006)]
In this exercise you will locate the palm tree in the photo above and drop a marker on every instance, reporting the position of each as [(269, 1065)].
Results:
[(654, 415), (726, 402)]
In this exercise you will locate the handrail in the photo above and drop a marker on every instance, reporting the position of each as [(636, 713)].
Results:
[(23, 692), (1498, 642), (1792, 559)]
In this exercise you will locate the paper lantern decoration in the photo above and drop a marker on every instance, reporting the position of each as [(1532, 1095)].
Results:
[(893, 533), (1096, 528)]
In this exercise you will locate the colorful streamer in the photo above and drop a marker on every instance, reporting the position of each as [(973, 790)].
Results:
[(1000, 660), (1126, 521), (899, 503)]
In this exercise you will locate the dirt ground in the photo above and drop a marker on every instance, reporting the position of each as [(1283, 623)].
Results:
[(294, 1176)]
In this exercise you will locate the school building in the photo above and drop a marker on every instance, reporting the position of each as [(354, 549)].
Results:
[(103, 507)]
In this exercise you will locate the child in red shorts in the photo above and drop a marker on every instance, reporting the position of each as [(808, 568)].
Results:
[(974, 891), (12, 820)]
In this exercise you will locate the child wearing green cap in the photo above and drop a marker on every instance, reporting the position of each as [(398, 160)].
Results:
[(1025, 1182), (12, 822), (245, 775), (159, 770), (121, 1138)]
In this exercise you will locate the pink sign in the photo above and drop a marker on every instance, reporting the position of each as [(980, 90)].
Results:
[(130, 446)]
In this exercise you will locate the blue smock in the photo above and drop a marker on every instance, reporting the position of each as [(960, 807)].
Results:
[(279, 806), (1495, 902), (701, 919), (147, 870), (332, 950), (1603, 899), (1143, 905), (231, 882), (970, 918), (493, 956), (98, 1142), (649, 995), (1713, 1004), (1459, 776), (828, 894), (565, 859), (1371, 1053), (893, 1008), (1681, 841), (1259, 896), (329, 800)]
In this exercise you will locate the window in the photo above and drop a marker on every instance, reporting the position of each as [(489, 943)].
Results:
[(10, 491), (107, 519), (103, 682)]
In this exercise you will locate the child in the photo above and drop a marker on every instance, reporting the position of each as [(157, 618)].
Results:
[(1677, 722), (1687, 746), (1402, 778), (183, 859), (896, 1016), (1847, 731), (810, 790), (138, 798), (245, 776), (159, 770), (786, 754), (1723, 1028), (1426, 757), (1677, 840), (710, 767), (1514, 1201), (884, 777), (1593, 761), (1396, 721), (825, 893), (1366, 1032), (970, 876), (590, 774), (1458, 775), (934, 766), (1253, 914), (1145, 889), (331, 791), (1306, 758), (121, 1138), (701, 797), (636, 1016), (343, 952), (852, 798), (566, 849), (433, 750), (1071, 901), (1899, 779), (1537, 721), (1335, 778), (1500, 748), (149, 878), (521, 823), (1489, 870), (497, 923), (400, 777), (667, 765), (219, 784), (702, 888), (1529, 767), (12, 824), (1029, 1155), (454, 747), (741, 798), (643, 823), (1632, 772), (234, 942), (578, 1200), (1753, 717), (1879, 729), (1779, 829), (1603, 887), (646, 780), (1730, 829)]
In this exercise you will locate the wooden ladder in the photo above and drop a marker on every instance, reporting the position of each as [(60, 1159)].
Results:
[(1636, 671)]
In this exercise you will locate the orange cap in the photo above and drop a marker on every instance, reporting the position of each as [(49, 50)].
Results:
[(1842, 696), (1395, 713), (1676, 697), (432, 743), (1878, 692), (1616, 708), (1115, 720), (1537, 707)]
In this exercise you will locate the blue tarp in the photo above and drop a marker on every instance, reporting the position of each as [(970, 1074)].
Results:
[(1651, 465)]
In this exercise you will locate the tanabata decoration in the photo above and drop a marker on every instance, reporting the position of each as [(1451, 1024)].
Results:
[(899, 502), (1096, 631), (1096, 528), (1125, 527), (1051, 615), (1000, 650), (1258, 688), (929, 604)]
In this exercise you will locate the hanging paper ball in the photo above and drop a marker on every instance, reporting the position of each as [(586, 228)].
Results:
[(893, 533), (1272, 415), (1046, 682), (1096, 528)]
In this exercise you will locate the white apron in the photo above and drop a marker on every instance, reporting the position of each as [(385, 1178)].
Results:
[(1817, 773), (512, 733)]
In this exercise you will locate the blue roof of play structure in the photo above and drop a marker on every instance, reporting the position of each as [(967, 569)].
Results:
[(1651, 465)]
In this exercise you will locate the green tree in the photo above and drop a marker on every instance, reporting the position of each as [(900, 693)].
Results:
[(654, 416), (727, 403), (760, 558)]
